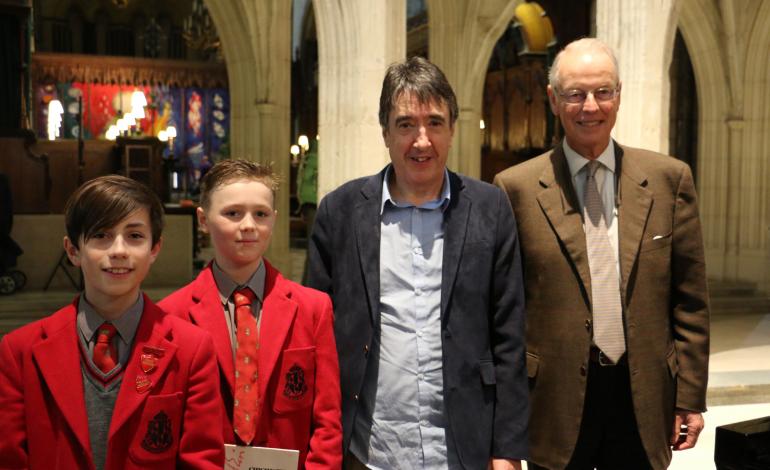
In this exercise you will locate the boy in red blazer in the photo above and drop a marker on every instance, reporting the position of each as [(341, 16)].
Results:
[(109, 381), (275, 346)]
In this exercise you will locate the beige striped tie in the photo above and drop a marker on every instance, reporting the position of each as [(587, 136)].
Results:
[(605, 285)]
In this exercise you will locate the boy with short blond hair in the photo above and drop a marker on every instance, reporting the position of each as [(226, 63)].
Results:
[(109, 381), (274, 339)]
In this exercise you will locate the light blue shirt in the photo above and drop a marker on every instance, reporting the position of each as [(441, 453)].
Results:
[(605, 183), (401, 423)]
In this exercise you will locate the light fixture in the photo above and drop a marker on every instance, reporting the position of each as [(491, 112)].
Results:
[(294, 150), (112, 132), (163, 136), (303, 142), (138, 113), (55, 110), (122, 125), (138, 100), (482, 126), (171, 132), (129, 119), (199, 32)]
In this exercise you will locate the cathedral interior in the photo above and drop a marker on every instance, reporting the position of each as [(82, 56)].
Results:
[(159, 91)]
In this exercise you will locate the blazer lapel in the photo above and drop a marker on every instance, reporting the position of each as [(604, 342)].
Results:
[(58, 359), (204, 314), (152, 334), (367, 229), (278, 312), (559, 204), (455, 229), (635, 203)]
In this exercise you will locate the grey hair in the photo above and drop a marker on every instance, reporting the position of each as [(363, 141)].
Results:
[(584, 44)]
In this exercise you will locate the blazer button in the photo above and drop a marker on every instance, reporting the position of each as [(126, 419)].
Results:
[(355, 397), (583, 370), (366, 350), (588, 325)]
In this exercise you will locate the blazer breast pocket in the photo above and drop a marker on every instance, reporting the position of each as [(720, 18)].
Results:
[(296, 382), (157, 437), (655, 242)]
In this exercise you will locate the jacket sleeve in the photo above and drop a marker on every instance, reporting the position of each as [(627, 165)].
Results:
[(320, 251), (689, 296), (507, 314), (13, 444), (201, 444), (326, 440)]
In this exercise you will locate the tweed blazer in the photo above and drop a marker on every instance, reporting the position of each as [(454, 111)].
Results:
[(663, 291)]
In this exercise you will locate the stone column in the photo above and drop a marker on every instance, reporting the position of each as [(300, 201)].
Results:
[(357, 40), (256, 41), (462, 34), (642, 36), (699, 24)]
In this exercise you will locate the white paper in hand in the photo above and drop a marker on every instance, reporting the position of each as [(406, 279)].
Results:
[(260, 458)]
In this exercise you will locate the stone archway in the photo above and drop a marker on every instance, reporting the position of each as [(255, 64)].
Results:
[(256, 41), (755, 177), (699, 23), (462, 35)]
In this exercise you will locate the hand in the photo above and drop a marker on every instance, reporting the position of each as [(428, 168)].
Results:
[(682, 438), (504, 464)]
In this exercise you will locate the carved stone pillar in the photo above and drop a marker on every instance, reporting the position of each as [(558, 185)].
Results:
[(642, 36), (256, 41), (462, 34), (357, 40)]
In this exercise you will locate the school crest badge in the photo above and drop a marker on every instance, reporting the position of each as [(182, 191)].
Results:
[(159, 437), (295, 386)]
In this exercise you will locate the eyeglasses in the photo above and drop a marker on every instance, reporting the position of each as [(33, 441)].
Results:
[(576, 96)]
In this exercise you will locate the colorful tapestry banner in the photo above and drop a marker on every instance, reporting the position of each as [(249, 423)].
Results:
[(201, 116)]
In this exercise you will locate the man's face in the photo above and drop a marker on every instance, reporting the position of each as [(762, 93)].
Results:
[(240, 220), (587, 125), (116, 260), (418, 138)]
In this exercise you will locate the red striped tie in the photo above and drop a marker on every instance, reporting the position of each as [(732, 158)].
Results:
[(246, 353)]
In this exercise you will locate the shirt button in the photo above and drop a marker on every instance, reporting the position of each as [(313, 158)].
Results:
[(420, 376), (417, 292), (419, 333)]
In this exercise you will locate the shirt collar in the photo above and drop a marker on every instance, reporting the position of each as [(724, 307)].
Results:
[(89, 320), (441, 202), (227, 286), (576, 161)]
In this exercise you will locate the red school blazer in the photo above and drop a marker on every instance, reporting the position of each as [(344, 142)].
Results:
[(170, 422), (299, 379)]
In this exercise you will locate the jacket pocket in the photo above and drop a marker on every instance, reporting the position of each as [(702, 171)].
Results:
[(533, 363), (296, 382), (673, 364), (157, 437), (487, 371), (656, 242)]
